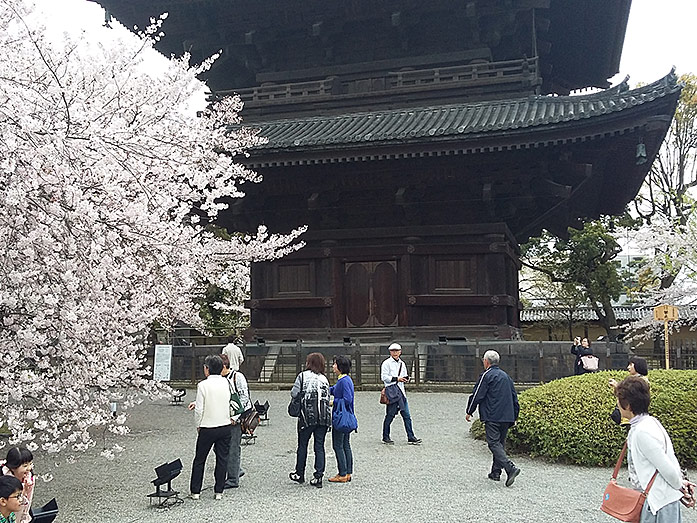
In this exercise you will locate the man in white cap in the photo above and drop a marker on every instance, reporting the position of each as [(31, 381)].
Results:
[(394, 375)]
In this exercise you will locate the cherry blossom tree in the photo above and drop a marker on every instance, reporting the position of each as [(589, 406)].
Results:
[(107, 189), (666, 203)]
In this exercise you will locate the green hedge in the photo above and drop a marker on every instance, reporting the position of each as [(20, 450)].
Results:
[(567, 420)]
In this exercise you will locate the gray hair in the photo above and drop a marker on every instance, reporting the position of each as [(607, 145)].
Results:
[(492, 357)]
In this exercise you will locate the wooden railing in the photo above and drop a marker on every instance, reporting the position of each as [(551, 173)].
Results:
[(286, 91), (523, 72), (487, 72)]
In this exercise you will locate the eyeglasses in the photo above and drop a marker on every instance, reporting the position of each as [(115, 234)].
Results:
[(19, 497)]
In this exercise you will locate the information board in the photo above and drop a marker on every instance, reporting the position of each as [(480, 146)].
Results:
[(163, 363)]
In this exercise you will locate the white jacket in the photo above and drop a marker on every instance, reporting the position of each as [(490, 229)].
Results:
[(212, 402), (390, 368), (650, 449)]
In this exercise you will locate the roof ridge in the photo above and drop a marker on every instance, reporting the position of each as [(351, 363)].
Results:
[(668, 84)]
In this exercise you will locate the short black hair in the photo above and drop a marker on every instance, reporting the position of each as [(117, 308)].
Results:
[(9, 485), (640, 365), (343, 363), (214, 364), (18, 456), (633, 393)]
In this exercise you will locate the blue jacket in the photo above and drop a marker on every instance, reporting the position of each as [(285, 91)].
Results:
[(343, 389), (496, 397)]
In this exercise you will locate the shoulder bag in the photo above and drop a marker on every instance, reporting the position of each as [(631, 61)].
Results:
[(384, 400), (295, 405), (343, 420), (624, 503), (249, 419), (236, 407)]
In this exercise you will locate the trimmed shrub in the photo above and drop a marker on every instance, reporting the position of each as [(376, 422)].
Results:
[(568, 420)]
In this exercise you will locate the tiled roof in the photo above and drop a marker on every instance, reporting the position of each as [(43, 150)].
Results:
[(581, 314), (453, 122), (622, 313)]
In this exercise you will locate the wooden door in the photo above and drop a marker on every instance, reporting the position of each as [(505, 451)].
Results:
[(371, 290)]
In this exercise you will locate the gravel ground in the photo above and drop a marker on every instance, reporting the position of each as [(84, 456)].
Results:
[(444, 479)]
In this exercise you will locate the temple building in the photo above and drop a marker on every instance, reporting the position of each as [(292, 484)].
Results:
[(421, 142)]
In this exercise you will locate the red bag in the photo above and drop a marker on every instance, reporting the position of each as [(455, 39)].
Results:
[(383, 397), (624, 503)]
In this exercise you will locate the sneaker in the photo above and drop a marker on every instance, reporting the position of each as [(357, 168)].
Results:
[(494, 477), (230, 485), (339, 479), (294, 476), (388, 441), (316, 482), (195, 497), (218, 496), (512, 475), (415, 441)]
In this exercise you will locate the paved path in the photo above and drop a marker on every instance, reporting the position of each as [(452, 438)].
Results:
[(442, 480)]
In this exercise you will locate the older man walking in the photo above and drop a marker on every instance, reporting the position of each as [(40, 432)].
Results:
[(497, 399)]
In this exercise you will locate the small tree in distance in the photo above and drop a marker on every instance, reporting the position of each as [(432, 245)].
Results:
[(107, 187)]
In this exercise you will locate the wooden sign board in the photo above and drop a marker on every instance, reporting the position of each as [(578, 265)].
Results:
[(665, 313)]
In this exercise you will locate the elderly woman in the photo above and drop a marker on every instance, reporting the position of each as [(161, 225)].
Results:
[(650, 451), (312, 389), (212, 414)]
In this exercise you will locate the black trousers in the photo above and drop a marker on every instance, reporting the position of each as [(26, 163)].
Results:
[(496, 438), (219, 439)]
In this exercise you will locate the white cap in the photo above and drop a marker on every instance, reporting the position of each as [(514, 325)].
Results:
[(394, 346)]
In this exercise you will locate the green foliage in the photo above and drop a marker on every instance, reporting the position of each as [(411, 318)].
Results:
[(225, 321), (567, 420), (582, 268), (477, 430)]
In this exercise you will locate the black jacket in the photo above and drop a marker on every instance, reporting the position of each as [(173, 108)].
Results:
[(580, 350), (496, 397)]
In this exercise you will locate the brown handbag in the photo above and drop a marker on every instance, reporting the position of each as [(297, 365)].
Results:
[(624, 503)]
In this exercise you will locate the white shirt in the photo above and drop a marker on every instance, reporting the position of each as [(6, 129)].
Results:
[(390, 369), (650, 449), (212, 402), (234, 353)]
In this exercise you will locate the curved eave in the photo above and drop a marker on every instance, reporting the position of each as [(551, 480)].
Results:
[(531, 122)]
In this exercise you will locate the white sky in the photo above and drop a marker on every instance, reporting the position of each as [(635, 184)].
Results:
[(660, 34)]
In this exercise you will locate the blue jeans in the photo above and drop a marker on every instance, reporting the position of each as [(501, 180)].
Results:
[(390, 413), (668, 514), (319, 432), (233, 464), (342, 448)]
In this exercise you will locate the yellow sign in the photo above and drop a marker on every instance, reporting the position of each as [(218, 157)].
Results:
[(665, 313)]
